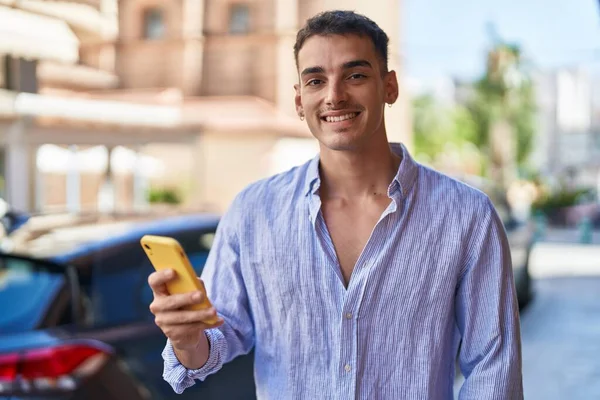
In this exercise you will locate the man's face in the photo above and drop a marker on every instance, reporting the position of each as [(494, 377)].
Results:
[(342, 90)]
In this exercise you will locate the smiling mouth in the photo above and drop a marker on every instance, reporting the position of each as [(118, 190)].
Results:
[(340, 118)]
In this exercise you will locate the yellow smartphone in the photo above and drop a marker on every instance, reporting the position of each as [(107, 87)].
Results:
[(165, 252)]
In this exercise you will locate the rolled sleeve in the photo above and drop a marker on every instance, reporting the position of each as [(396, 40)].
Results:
[(180, 377)]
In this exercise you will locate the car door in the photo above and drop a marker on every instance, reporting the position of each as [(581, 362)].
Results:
[(120, 297), (40, 310)]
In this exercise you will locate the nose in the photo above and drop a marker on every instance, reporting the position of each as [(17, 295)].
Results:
[(336, 94)]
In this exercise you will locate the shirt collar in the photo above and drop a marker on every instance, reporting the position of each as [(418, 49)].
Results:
[(407, 172), (313, 181), (404, 179)]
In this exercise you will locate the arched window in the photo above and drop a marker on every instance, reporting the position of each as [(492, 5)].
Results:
[(239, 19), (154, 24)]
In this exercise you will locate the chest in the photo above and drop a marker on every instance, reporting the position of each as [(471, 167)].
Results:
[(400, 279), (290, 268), (350, 226)]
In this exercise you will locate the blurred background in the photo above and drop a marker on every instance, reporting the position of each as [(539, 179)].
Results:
[(121, 118)]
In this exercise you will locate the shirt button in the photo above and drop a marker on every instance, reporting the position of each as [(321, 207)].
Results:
[(347, 368), (348, 315)]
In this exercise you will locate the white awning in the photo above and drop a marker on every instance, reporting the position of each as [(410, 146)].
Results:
[(15, 104), (56, 159), (102, 111), (37, 37)]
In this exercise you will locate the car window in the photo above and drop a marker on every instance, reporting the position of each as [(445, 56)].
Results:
[(196, 243), (119, 291), (197, 247), (30, 294), (117, 272)]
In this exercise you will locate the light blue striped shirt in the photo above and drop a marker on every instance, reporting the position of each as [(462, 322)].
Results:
[(435, 270)]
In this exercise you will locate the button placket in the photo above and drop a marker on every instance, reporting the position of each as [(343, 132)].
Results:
[(348, 336)]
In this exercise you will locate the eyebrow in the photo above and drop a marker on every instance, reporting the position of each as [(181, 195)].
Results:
[(346, 65), (357, 63), (313, 70)]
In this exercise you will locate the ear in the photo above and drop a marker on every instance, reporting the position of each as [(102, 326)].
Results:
[(391, 87), (298, 101)]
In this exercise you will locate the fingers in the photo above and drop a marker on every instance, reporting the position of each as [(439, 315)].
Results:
[(175, 301), (185, 317), (158, 279), (186, 334)]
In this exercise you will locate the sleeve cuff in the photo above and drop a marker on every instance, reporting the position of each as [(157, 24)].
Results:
[(181, 378)]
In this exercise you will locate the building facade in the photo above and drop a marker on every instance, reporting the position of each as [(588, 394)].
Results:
[(53, 57), (201, 89), (567, 144), (233, 60)]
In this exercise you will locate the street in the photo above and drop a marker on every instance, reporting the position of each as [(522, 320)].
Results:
[(561, 340), (560, 332), (560, 328)]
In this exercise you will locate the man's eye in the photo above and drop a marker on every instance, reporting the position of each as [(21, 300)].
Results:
[(357, 76), (314, 82)]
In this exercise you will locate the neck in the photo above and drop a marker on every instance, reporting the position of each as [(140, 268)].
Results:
[(358, 174)]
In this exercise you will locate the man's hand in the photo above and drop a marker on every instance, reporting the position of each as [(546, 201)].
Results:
[(184, 328)]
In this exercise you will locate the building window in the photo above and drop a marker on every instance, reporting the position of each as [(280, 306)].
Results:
[(239, 19), (154, 25), (3, 71)]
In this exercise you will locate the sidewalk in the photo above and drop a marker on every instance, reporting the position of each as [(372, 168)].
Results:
[(561, 253), (561, 349), (560, 328), (560, 346)]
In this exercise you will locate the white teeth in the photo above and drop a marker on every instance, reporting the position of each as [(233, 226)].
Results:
[(341, 117)]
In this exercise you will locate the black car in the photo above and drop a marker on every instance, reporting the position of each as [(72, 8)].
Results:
[(521, 240), (75, 322)]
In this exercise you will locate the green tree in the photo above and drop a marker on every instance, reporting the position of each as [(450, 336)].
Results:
[(436, 126), (164, 196), (503, 107)]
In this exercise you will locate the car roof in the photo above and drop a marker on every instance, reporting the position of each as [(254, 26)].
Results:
[(67, 243)]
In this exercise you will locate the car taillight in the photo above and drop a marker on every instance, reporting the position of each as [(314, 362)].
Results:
[(8, 364), (52, 368)]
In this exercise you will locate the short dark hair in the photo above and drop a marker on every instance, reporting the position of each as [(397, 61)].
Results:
[(338, 22)]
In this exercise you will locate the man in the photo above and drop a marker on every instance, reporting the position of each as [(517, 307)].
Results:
[(357, 274)]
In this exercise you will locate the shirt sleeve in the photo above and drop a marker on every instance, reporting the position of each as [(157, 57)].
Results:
[(181, 378), (487, 316), (226, 289)]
